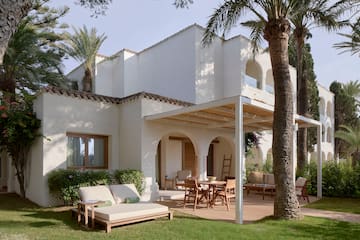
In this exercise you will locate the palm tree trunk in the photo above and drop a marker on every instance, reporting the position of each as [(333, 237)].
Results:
[(11, 12), (87, 81), (302, 102), (286, 204)]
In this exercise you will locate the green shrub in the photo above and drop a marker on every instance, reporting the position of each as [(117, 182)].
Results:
[(338, 180), (65, 183), (131, 176), (311, 176)]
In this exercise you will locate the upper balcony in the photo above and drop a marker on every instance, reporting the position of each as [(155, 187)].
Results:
[(257, 83)]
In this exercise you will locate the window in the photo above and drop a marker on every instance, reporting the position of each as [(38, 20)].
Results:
[(87, 151)]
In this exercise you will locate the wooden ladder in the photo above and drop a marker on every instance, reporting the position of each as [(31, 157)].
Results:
[(226, 167)]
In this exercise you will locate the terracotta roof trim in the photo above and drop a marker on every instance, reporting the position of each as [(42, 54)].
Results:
[(112, 100)]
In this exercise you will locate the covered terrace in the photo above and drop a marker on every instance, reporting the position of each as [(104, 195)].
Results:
[(236, 115)]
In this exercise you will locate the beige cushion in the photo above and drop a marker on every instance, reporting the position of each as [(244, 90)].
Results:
[(124, 211), (121, 192), (183, 174), (100, 193), (255, 177), (269, 179), (300, 182)]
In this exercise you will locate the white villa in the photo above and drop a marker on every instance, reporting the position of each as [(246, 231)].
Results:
[(175, 105)]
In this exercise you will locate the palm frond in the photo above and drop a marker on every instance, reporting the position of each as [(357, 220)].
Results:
[(352, 44), (256, 35), (225, 17), (83, 45)]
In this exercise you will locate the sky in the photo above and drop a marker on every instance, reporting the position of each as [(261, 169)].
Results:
[(138, 24)]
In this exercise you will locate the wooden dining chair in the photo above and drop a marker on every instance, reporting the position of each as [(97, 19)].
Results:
[(194, 193), (227, 192), (301, 188)]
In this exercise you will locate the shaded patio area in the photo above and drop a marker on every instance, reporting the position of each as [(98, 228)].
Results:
[(255, 208)]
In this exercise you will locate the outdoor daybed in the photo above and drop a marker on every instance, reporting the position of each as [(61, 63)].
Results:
[(116, 207)]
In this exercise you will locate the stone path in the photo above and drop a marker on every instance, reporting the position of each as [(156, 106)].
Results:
[(340, 216)]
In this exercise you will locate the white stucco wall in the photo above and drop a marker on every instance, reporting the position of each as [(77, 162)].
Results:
[(60, 115), (130, 135), (327, 120), (104, 78), (209, 69), (168, 68)]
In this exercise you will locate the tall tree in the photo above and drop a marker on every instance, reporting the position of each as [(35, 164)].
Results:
[(351, 135), (272, 24), (32, 57), (12, 11), (313, 98), (309, 14), (83, 46), (346, 113)]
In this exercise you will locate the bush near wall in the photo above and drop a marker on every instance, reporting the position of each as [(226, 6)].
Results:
[(65, 183), (131, 176), (339, 180)]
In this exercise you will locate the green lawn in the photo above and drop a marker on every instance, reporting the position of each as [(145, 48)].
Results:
[(351, 205), (20, 219)]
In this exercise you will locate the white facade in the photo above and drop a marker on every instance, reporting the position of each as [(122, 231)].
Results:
[(179, 68)]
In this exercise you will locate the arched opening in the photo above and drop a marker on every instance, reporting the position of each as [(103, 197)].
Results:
[(329, 135), (330, 157), (322, 106), (221, 159), (175, 152), (253, 74), (254, 159), (323, 133), (269, 82), (268, 165), (323, 156), (329, 109)]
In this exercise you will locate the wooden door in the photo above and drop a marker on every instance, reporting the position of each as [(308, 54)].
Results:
[(189, 158), (210, 161)]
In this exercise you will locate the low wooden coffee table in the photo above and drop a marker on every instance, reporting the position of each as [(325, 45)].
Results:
[(260, 188), (83, 207)]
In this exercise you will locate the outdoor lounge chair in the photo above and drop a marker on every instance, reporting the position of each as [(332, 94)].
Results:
[(115, 210), (301, 188), (180, 178)]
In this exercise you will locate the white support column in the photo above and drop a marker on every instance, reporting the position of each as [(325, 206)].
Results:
[(202, 167), (319, 164), (239, 160)]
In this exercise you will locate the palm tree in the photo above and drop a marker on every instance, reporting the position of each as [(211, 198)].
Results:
[(13, 11), (308, 14), (352, 88), (352, 137), (32, 58), (272, 24), (83, 46), (352, 44)]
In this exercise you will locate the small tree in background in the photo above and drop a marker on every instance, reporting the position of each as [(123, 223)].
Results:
[(83, 46), (19, 129), (352, 137)]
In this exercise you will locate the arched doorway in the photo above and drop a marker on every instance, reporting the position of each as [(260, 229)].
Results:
[(175, 152), (253, 74), (220, 159)]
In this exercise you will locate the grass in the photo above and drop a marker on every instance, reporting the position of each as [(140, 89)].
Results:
[(350, 205), (20, 219)]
